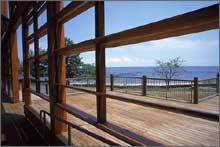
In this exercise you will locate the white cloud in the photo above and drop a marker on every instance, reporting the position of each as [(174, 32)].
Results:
[(119, 60)]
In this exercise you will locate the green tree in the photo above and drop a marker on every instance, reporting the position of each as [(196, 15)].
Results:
[(74, 65), (20, 67)]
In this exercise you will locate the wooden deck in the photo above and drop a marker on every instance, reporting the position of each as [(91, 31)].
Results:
[(210, 105), (16, 130), (166, 127)]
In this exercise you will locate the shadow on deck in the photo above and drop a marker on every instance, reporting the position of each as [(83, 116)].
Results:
[(16, 130)]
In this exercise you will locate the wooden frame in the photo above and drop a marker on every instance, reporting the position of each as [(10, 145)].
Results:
[(196, 21)]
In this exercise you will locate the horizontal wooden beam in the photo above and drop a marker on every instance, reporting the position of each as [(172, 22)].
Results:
[(41, 8), (73, 9), (42, 30), (196, 21), (43, 96), (30, 38), (41, 57), (121, 133), (40, 33), (88, 45)]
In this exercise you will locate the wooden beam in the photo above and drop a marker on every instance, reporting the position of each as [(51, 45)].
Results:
[(36, 49), (121, 133), (43, 96), (51, 13), (61, 75), (100, 62), (73, 9), (14, 66), (4, 10), (26, 62), (196, 21), (41, 9), (193, 22), (40, 33), (16, 13), (88, 45), (30, 38), (42, 30)]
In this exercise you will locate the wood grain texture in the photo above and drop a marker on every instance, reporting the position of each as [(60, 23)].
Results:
[(167, 127), (26, 63), (14, 66), (100, 62)]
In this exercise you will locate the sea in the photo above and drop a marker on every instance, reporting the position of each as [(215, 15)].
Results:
[(188, 72)]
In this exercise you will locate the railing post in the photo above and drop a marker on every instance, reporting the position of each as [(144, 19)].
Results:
[(67, 82), (46, 86), (195, 101), (112, 82), (144, 85), (217, 83)]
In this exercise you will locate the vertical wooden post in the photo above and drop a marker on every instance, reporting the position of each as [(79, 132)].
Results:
[(36, 49), (196, 96), (100, 62), (51, 29), (144, 85), (56, 67), (217, 83), (61, 73), (112, 82), (14, 66), (4, 9), (26, 62)]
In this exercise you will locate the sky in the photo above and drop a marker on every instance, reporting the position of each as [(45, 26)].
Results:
[(197, 49)]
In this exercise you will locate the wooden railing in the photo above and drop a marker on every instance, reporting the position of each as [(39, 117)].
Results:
[(44, 114), (171, 89)]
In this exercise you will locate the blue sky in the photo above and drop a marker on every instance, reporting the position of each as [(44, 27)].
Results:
[(196, 49)]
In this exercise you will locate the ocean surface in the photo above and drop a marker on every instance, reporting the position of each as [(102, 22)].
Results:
[(189, 72)]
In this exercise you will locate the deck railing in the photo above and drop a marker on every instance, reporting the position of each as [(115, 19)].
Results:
[(192, 91), (208, 88), (181, 90)]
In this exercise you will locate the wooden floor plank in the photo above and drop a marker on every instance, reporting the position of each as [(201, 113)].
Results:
[(165, 126)]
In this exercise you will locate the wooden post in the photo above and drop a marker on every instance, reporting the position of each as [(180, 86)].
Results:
[(51, 29), (56, 67), (217, 83), (144, 85), (61, 74), (36, 49), (26, 62), (112, 82), (14, 66), (4, 9), (100, 62), (196, 90)]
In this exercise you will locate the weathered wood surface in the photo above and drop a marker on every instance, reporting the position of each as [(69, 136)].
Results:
[(100, 62), (17, 131), (14, 66), (167, 127), (79, 138)]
